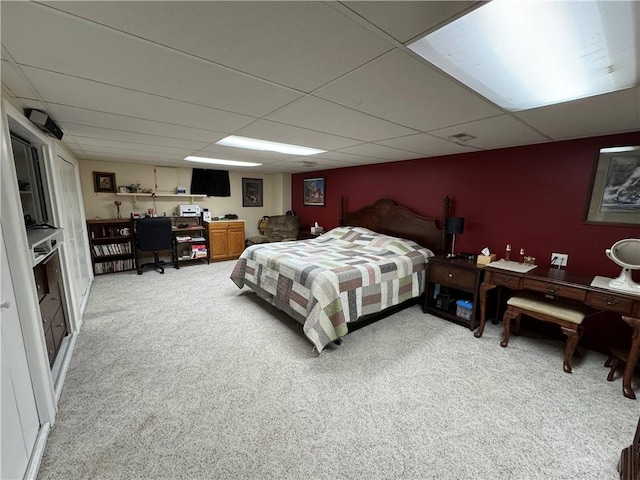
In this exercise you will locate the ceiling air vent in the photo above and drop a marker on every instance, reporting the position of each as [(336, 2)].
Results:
[(461, 137), (307, 163)]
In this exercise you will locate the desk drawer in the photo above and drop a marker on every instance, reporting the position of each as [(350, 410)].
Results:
[(504, 279), (452, 277), (608, 301), (555, 289)]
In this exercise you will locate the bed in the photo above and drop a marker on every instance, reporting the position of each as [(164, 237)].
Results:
[(374, 262)]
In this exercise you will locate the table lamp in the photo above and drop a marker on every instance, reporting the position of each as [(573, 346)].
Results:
[(454, 226)]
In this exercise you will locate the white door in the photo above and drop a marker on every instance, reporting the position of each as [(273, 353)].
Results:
[(19, 422), (74, 224)]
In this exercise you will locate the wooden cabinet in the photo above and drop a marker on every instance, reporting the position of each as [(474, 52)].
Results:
[(190, 240), (111, 245), (449, 280), (226, 239), (49, 287)]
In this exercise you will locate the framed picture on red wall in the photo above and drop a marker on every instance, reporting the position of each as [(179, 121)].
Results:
[(313, 193), (615, 187)]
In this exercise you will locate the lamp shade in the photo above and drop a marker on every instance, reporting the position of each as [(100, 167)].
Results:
[(455, 225)]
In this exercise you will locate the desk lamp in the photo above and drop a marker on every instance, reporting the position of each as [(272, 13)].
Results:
[(454, 226)]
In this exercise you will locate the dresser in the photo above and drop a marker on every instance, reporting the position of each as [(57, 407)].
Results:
[(226, 239), (49, 287)]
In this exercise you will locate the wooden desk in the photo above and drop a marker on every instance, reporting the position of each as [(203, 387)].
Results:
[(560, 283)]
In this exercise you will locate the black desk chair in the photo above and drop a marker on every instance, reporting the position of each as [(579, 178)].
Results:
[(153, 234)]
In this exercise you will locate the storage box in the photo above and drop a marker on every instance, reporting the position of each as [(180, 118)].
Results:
[(464, 309), (486, 259), (444, 302)]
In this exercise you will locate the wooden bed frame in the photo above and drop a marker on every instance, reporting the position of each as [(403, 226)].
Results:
[(384, 216)]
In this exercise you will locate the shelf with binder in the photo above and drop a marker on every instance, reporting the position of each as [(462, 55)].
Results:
[(110, 242), (190, 240)]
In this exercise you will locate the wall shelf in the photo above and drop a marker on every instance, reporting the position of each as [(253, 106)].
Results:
[(134, 196)]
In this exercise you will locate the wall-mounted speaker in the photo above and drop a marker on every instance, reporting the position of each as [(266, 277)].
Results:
[(44, 123)]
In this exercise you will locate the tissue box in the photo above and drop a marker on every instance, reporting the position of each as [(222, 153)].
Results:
[(486, 259), (316, 230)]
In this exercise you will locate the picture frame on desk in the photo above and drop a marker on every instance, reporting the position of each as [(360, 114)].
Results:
[(615, 188)]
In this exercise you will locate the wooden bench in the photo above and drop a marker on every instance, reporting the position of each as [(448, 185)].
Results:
[(568, 317)]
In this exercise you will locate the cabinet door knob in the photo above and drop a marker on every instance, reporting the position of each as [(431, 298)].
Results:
[(451, 275)]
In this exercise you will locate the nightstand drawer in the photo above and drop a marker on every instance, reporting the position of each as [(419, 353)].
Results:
[(452, 277)]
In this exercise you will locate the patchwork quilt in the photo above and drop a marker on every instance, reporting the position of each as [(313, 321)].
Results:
[(327, 282)]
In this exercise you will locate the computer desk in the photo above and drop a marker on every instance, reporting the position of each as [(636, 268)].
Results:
[(561, 284)]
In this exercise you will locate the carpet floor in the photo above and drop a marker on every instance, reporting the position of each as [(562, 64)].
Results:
[(183, 375)]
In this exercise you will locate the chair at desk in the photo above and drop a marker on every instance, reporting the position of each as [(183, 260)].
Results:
[(152, 234)]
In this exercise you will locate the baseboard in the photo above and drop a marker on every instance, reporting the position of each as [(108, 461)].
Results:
[(38, 452)]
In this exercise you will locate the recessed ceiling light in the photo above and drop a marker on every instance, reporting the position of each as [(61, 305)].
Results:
[(527, 54), (217, 161), (255, 144)]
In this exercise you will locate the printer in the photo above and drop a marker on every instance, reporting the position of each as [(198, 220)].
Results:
[(189, 211)]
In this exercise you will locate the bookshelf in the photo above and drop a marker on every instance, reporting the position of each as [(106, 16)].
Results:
[(110, 241), (190, 240)]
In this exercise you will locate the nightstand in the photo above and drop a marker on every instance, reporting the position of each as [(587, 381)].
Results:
[(307, 235), (449, 280)]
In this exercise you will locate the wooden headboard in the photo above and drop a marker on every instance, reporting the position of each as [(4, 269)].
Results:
[(384, 216)]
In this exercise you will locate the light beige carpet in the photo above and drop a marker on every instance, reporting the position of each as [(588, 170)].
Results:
[(183, 375)]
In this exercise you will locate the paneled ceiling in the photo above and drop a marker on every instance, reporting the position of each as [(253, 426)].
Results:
[(153, 82)]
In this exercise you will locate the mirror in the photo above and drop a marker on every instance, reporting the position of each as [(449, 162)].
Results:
[(625, 253)]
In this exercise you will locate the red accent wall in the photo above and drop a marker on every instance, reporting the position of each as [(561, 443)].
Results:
[(532, 197)]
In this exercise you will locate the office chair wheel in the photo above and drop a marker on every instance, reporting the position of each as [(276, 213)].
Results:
[(139, 272)]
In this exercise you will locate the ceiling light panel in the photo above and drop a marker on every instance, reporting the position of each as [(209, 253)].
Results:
[(255, 144), (527, 54), (218, 161)]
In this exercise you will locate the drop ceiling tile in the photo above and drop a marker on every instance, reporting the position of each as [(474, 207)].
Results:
[(278, 132), (124, 151), (403, 89), (380, 151), (299, 44), (79, 48), (597, 115), (82, 132), (425, 144), (75, 92), (88, 143), (92, 118), (406, 20), (14, 82), (317, 114), (496, 132)]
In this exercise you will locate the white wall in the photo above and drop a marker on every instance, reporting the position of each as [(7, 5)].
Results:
[(276, 192)]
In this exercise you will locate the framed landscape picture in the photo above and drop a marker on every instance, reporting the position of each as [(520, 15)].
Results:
[(252, 192), (314, 192), (615, 187), (104, 182)]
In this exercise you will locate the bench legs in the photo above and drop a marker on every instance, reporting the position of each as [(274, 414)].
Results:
[(573, 333)]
